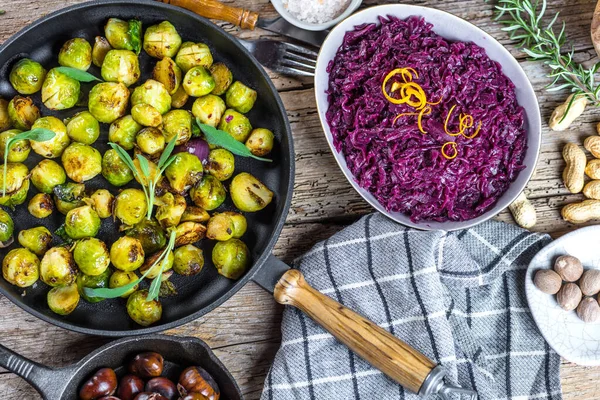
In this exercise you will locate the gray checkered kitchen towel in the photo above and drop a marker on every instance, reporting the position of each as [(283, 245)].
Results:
[(457, 297)]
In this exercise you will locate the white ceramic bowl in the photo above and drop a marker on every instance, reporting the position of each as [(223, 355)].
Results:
[(278, 4), (452, 28), (569, 336)]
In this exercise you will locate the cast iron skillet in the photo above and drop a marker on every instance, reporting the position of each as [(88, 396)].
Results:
[(179, 353)]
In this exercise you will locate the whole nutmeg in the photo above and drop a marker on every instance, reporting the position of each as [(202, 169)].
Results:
[(196, 379), (588, 310), (590, 282), (129, 387), (569, 296), (569, 268), (547, 281), (147, 365), (163, 386), (102, 383)]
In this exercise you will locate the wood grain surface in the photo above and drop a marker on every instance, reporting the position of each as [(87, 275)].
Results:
[(245, 331)]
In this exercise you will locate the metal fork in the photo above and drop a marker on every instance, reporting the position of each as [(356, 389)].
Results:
[(281, 57)]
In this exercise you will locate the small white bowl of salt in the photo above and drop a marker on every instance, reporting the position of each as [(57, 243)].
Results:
[(315, 15)]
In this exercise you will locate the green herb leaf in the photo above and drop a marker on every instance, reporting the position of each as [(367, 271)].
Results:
[(2, 12), (225, 140), (62, 233), (164, 157), (78, 74), (126, 158), (154, 290), (144, 166), (135, 35)]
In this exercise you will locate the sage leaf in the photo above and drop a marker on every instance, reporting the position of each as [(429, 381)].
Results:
[(223, 139), (164, 157), (78, 74), (135, 34)]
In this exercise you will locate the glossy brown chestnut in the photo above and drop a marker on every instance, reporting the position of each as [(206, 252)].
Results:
[(129, 387), (103, 383), (147, 365), (109, 398), (162, 386), (194, 396), (196, 379), (149, 396)]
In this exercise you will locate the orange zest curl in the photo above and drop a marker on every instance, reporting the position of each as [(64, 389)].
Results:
[(476, 132), (425, 111), (445, 154), (465, 121)]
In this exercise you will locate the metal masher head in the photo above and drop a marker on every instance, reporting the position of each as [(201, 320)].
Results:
[(434, 384)]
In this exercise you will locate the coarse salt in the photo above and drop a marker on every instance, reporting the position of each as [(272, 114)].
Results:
[(316, 11)]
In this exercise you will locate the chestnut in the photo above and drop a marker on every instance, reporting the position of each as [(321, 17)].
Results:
[(147, 365), (196, 379), (102, 383), (109, 398), (194, 396), (129, 387), (162, 386), (149, 396)]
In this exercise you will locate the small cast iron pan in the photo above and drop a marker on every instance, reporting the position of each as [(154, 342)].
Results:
[(178, 352)]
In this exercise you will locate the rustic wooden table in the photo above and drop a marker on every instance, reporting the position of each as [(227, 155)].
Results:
[(245, 331)]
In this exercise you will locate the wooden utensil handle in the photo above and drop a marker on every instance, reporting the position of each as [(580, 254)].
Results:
[(213, 9), (384, 351)]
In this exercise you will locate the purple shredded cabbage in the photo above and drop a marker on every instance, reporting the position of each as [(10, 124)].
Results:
[(403, 168)]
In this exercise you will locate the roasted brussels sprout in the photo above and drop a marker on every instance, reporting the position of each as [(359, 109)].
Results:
[(249, 194), (102, 202), (127, 254), (54, 147), (179, 98), (198, 82), (121, 66), (231, 258), (220, 227), (223, 78), (46, 175), (162, 40), (188, 233), (168, 73), (99, 51), (81, 162), (177, 123), (240, 225), (27, 76), (260, 142), (20, 267), (4, 118), (188, 260), (192, 55), (221, 164), (63, 300), (68, 196), (195, 214), (76, 53), (16, 198), (154, 93), (58, 267), (140, 176), (236, 124), (91, 256), (150, 140), (166, 265), (146, 115), (240, 97), (16, 179), (209, 109), (22, 112), (83, 128), (60, 92), (18, 151), (123, 132), (7, 228), (114, 170), (37, 240), (41, 205), (150, 234), (170, 209), (108, 101), (119, 35), (82, 222), (184, 172), (93, 282), (122, 278), (130, 206), (141, 310), (209, 193)]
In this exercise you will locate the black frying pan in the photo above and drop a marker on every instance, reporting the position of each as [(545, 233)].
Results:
[(179, 353)]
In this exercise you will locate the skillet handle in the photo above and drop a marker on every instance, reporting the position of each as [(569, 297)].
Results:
[(384, 351), (214, 9)]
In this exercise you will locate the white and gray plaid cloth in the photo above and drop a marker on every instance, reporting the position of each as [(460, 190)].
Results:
[(457, 297)]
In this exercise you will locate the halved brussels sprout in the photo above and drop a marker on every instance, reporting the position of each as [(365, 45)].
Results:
[(4, 118), (114, 170), (118, 34), (19, 150), (236, 124), (20, 267), (127, 254), (121, 278), (150, 141), (184, 172), (209, 193), (177, 123), (240, 97), (209, 109), (195, 214), (16, 198), (63, 300), (93, 282), (150, 234), (188, 233), (231, 258), (27, 76), (188, 260), (220, 227), (76, 53), (102, 202), (146, 115), (82, 222), (7, 228), (198, 82), (130, 206), (140, 177), (46, 175), (240, 225), (69, 196), (60, 92), (37, 240), (223, 78), (170, 209), (16, 176), (142, 311), (121, 66), (260, 142), (179, 98), (41, 205), (83, 128), (249, 194), (108, 101), (168, 73), (54, 147), (58, 267), (99, 51), (22, 112), (166, 264), (91, 256), (123, 132), (221, 164), (162, 40), (154, 93), (81, 162), (192, 55)]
